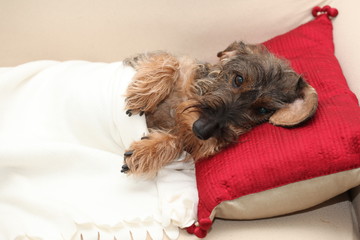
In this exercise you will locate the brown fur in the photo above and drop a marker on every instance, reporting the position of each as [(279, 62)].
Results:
[(201, 108)]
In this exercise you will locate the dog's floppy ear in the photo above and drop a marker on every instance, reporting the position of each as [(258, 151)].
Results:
[(230, 51), (238, 48), (298, 111)]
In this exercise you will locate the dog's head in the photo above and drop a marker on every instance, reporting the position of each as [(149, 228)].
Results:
[(250, 86)]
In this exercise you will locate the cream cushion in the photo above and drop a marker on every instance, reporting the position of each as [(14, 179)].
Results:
[(111, 30)]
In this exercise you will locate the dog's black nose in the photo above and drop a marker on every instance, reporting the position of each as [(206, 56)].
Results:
[(204, 129)]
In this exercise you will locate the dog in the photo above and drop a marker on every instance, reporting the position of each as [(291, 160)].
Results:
[(201, 108)]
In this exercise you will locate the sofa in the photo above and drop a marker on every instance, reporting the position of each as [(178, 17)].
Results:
[(107, 31)]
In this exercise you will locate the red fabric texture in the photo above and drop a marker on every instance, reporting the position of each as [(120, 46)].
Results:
[(270, 156)]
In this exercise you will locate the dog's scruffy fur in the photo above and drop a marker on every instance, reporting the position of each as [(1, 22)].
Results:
[(201, 108)]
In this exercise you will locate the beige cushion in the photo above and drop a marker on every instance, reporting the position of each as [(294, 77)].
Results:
[(346, 38), (331, 220), (111, 30)]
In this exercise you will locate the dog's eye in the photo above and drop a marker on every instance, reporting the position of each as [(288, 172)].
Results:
[(237, 81), (264, 111)]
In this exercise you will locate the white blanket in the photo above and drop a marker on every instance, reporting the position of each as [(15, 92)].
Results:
[(63, 132)]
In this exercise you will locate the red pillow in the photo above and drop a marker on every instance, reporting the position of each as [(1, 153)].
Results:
[(270, 158)]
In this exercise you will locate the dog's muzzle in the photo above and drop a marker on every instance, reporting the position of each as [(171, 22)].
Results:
[(204, 129)]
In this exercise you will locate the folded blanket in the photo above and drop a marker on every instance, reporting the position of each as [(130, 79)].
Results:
[(63, 132)]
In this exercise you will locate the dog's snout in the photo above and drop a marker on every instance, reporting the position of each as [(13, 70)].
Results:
[(204, 129)]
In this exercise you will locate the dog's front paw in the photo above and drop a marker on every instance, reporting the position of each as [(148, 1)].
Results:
[(147, 156), (131, 112), (136, 103), (152, 83), (125, 168), (140, 160), (135, 163)]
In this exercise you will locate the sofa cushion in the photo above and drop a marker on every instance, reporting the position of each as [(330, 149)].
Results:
[(274, 171)]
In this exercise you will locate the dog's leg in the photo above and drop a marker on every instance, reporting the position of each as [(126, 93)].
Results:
[(153, 82), (151, 153)]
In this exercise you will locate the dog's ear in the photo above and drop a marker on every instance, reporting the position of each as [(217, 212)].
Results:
[(240, 48), (298, 111), (231, 50)]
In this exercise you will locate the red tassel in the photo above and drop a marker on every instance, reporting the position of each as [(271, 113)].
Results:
[(205, 223), (329, 11), (200, 233), (201, 230), (333, 12), (315, 11), (326, 8), (191, 229)]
